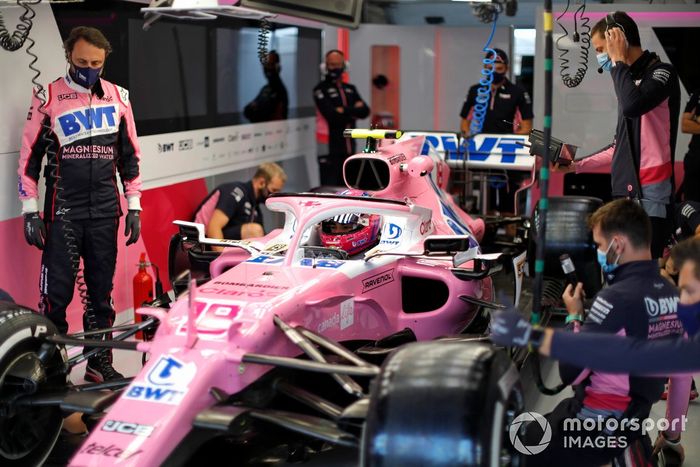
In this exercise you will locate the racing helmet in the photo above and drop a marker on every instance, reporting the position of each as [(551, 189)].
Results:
[(353, 233)]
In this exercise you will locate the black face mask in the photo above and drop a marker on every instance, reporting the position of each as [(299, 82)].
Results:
[(498, 77), (334, 74), (263, 194)]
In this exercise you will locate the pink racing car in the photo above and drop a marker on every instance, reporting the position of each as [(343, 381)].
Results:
[(295, 345)]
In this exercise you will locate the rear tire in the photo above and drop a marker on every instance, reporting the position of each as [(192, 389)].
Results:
[(443, 404), (27, 434)]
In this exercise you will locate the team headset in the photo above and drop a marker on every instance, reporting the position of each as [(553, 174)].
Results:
[(611, 23), (322, 66)]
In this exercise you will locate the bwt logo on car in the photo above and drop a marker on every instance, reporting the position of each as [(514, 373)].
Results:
[(87, 120), (392, 234), (166, 382), (480, 148)]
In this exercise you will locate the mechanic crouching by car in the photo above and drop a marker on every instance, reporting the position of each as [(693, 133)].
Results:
[(232, 210), (637, 302), (85, 126)]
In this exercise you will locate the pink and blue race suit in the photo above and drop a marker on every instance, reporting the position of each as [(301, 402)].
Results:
[(88, 136)]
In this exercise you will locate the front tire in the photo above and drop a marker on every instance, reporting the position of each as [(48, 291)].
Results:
[(443, 404), (27, 365)]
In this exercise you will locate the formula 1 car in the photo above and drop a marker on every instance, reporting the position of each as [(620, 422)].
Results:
[(294, 345)]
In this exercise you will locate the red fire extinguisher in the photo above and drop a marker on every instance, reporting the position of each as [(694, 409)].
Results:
[(143, 289)]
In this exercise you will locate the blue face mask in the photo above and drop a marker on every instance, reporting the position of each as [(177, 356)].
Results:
[(603, 260), (690, 317), (86, 76), (604, 61)]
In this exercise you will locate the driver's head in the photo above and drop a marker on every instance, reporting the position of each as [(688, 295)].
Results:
[(353, 233)]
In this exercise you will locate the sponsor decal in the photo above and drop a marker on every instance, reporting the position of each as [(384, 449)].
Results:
[(218, 140), (67, 96), (166, 147), (206, 141), (244, 284), (396, 159), (212, 319), (661, 307), (124, 94), (239, 293), (106, 98), (245, 136), (86, 122), (166, 382), (127, 428), (87, 151), (479, 149), (233, 137), (392, 234), (321, 263), (332, 322), (347, 314), (185, 144), (377, 280), (276, 247), (425, 226), (265, 259), (309, 204), (96, 449)]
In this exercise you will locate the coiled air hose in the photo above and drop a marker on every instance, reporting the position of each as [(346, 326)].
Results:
[(483, 93)]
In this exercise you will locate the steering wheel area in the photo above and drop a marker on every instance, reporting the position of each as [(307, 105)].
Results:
[(322, 252)]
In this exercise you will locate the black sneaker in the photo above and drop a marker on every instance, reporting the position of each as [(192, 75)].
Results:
[(100, 369)]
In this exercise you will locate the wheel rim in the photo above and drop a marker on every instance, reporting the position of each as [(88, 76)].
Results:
[(25, 428)]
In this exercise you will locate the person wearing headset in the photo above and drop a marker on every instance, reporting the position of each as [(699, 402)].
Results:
[(622, 231), (86, 128), (621, 353), (272, 102), (648, 97), (340, 105)]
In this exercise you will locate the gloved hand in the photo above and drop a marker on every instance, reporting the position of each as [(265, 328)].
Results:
[(34, 229), (509, 328), (132, 226), (669, 447)]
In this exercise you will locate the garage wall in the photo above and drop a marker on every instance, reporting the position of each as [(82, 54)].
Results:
[(176, 176)]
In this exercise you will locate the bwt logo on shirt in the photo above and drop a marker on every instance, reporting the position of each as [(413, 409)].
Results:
[(87, 121), (662, 306)]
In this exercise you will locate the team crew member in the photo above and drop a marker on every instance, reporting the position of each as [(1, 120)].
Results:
[(631, 305), (232, 210), (509, 103), (690, 123), (272, 102), (340, 105), (86, 128), (648, 96), (616, 354)]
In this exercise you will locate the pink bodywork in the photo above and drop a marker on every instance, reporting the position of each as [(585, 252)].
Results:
[(343, 300)]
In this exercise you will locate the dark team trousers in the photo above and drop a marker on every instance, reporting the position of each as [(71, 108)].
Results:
[(96, 243), (660, 234)]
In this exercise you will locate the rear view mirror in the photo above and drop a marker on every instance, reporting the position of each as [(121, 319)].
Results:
[(445, 244)]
